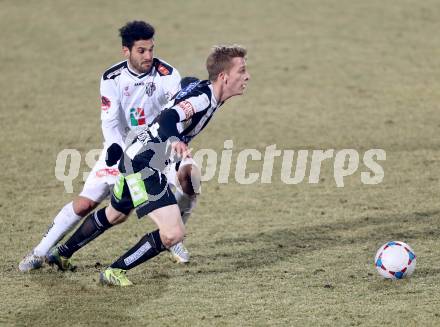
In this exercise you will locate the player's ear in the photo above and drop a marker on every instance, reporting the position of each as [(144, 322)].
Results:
[(224, 77), (126, 51)]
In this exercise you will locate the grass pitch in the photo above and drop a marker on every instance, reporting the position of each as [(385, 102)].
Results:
[(325, 75)]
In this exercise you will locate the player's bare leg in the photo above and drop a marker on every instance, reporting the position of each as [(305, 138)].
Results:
[(170, 231), (68, 217)]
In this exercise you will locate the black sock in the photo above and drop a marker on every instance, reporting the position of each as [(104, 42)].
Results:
[(148, 247), (94, 225)]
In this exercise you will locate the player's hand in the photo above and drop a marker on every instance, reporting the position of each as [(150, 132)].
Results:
[(181, 150), (114, 153)]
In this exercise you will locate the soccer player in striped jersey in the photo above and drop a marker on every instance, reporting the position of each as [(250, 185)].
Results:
[(142, 184)]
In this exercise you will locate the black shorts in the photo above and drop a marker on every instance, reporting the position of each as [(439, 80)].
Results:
[(145, 195)]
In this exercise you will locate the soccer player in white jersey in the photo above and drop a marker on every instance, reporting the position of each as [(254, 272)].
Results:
[(142, 184), (133, 93)]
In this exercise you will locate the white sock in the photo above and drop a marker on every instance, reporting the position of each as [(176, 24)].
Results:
[(64, 222), (186, 203)]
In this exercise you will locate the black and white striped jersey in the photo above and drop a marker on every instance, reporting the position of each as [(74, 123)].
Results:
[(195, 104), (185, 117)]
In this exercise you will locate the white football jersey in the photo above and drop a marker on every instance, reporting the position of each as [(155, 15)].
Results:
[(130, 100)]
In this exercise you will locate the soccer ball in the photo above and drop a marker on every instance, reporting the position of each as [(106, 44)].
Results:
[(395, 260)]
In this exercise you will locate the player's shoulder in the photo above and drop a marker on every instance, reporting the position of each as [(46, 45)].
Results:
[(115, 70), (195, 88), (198, 92), (163, 68)]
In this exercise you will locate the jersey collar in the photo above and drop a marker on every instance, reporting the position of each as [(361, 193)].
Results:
[(214, 101), (140, 76)]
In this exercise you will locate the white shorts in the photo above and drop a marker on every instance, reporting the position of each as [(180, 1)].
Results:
[(101, 179)]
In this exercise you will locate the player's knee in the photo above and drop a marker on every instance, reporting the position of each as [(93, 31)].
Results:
[(115, 217), (115, 220), (171, 237), (83, 206), (189, 179)]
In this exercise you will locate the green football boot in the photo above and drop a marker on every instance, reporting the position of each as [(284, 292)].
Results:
[(114, 277), (63, 263)]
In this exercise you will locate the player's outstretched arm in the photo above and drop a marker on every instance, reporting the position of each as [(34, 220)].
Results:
[(167, 121)]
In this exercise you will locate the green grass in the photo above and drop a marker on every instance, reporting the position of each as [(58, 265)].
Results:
[(325, 74)]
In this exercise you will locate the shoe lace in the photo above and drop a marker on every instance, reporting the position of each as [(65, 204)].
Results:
[(179, 248), (118, 276), (32, 258)]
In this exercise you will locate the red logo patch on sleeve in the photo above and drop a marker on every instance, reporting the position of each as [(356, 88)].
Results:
[(187, 108), (105, 103), (163, 70)]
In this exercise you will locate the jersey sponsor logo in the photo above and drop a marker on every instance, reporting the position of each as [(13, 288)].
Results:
[(187, 108), (150, 88), (105, 103), (184, 92), (163, 70), (107, 172), (139, 84), (137, 116)]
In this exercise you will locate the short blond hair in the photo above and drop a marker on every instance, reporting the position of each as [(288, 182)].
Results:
[(220, 59)]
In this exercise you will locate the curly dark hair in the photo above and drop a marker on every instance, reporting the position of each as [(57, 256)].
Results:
[(135, 31)]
